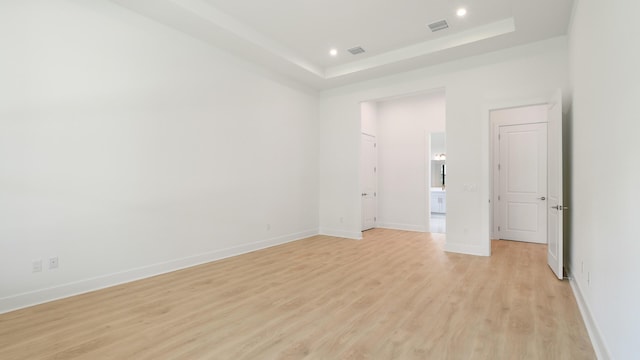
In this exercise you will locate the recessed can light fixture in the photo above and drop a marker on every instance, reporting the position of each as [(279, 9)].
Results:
[(461, 12), (333, 52)]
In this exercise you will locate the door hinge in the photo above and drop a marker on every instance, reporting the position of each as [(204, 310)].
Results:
[(375, 219), (498, 167), (375, 169), (498, 197), (375, 145), (499, 136), (375, 193), (498, 228)]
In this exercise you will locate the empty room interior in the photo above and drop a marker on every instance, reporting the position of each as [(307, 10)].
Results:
[(218, 179)]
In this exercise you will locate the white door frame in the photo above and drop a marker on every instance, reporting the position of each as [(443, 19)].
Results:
[(427, 168), (486, 188)]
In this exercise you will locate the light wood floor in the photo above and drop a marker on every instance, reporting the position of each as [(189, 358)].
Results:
[(394, 295)]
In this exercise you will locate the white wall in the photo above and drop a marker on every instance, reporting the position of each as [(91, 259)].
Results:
[(439, 141), (520, 115), (369, 118), (606, 87), (403, 127), (128, 149), (473, 86)]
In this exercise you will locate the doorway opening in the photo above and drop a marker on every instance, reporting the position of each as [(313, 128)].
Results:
[(519, 160), (542, 196), (437, 182), (395, 162)]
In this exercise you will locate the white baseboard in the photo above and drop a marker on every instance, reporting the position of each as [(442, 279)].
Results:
[(595, 335), (355, 235), (403, 227), (23, 300), (466, 249)]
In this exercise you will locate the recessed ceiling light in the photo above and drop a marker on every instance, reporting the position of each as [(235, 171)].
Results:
[(333, 52), (461, 12)]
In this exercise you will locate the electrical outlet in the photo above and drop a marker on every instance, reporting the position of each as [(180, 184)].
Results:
[(53, 262), (36, 266)]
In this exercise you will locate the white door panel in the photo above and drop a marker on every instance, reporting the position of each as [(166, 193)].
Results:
[(522, 216), (523, 182), (555, 208), (368, 181)]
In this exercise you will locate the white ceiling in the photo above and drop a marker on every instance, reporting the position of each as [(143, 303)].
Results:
[(293, 37)]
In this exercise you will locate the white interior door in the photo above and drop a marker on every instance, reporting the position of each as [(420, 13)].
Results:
[(368, 181), (523, 182), (554, 250)]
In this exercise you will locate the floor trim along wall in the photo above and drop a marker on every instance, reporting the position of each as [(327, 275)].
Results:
[(20, 301), (354, 235), (404, 227), (594, 333), (466, 249)]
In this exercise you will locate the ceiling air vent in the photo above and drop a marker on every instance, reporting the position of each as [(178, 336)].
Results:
[(438, 25), (356, 50)]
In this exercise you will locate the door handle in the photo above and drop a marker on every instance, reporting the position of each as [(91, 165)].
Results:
[(560, 207), (364, 194), (542, 198)]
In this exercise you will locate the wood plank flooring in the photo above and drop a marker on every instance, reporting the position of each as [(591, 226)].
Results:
[(393, 295)]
